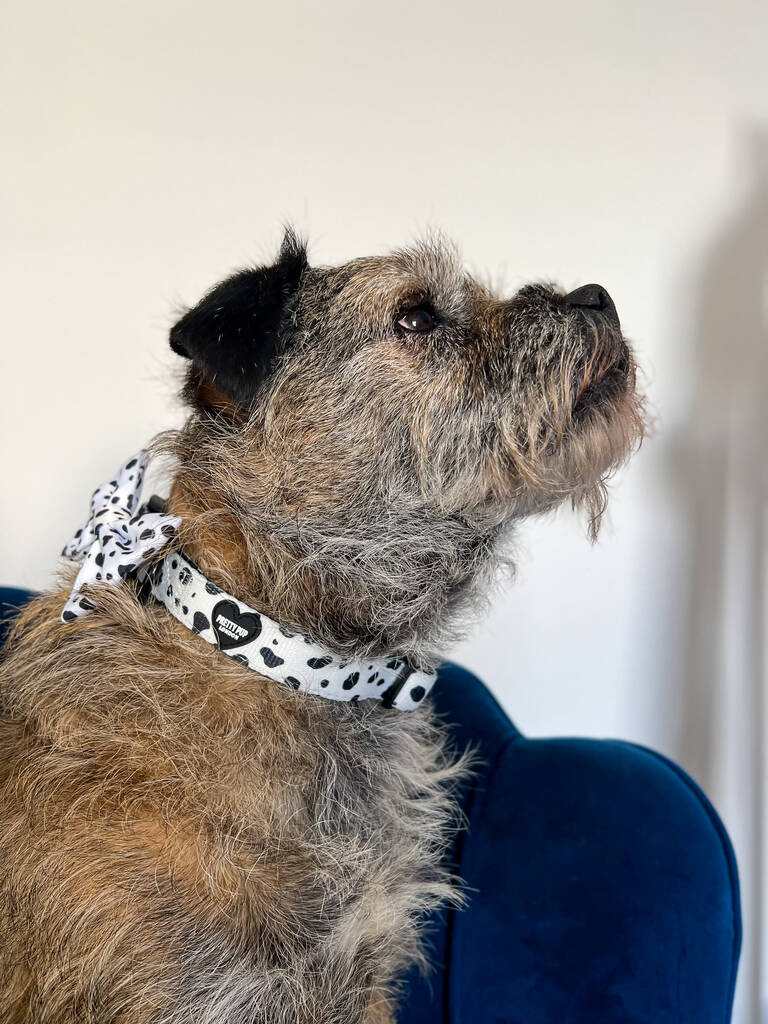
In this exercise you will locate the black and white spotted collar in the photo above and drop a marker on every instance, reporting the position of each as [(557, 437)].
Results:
[(261, 644), (121, 541)]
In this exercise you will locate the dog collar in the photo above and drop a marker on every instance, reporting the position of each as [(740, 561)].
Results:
[(254, 640), (120, 541)]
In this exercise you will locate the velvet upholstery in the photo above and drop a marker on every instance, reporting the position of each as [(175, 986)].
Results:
[(602, 887)]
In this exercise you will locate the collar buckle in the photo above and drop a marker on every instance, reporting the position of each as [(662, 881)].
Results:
[(395, 688)]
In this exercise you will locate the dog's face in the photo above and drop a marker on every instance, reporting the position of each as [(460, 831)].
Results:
[(401, 381)]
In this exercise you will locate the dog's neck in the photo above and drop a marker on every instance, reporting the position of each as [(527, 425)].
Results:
[(397, 585)]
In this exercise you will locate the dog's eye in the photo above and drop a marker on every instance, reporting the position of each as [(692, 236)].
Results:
[(418, 319)]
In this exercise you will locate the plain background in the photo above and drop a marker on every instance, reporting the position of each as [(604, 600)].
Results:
[(148, 148)]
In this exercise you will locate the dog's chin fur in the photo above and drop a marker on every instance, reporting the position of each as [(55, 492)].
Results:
[(606, 429), (182, 839)]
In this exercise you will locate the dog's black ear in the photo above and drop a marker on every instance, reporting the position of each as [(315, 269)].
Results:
[(233, 334)]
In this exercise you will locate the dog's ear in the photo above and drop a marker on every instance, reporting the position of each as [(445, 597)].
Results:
[(233, 334)]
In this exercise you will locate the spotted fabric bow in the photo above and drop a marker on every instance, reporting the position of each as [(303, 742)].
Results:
[(118, 537)]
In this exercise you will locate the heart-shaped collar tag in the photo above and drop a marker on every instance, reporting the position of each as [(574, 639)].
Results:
[(232, 627)]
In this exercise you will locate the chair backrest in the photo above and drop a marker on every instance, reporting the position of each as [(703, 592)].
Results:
[(11, 600), (603, 887)]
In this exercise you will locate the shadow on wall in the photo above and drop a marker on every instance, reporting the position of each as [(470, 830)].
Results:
[(720, 462), (719, 465)]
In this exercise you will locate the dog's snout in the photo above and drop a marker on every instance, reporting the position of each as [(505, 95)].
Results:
[(593, 296)]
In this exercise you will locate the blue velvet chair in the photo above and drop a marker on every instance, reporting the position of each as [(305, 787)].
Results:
[(603, 887)]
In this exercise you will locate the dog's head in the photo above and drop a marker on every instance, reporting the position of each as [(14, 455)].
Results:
[(403, 378), (391, 415)]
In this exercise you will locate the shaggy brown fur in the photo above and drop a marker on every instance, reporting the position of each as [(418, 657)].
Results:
[(182, 840)]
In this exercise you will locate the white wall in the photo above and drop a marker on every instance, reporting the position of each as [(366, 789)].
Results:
[(149, 148)]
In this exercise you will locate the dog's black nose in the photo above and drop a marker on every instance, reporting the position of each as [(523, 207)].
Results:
[(593, 296)]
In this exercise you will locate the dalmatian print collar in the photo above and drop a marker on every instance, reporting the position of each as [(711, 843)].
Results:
[(288, 657), (121, 540)]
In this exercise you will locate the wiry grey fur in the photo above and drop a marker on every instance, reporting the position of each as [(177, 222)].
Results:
[(183, 841)]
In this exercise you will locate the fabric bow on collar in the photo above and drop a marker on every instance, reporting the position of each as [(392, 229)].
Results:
[(118, 537)]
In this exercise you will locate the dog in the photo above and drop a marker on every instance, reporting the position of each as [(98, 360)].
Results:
[(190, 837)]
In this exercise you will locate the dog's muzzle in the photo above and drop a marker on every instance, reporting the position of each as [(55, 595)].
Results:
[(595, 298)]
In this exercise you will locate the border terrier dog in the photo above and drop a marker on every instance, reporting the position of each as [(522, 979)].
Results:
[(189, 837)]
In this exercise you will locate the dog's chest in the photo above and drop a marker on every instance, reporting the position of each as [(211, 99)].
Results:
[(265, 855), (335, 869)]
